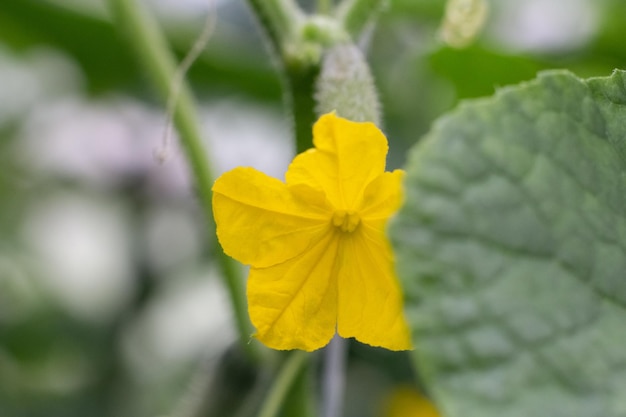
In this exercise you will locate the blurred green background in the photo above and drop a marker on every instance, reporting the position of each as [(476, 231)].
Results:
[(109, 300)]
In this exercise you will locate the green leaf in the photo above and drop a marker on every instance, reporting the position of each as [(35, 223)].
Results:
[(475, 71), (511, 248)]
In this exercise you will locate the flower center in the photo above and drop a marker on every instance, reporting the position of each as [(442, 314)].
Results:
[(346, 220)]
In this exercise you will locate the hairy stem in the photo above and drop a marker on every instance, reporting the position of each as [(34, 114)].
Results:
[(148, 42)]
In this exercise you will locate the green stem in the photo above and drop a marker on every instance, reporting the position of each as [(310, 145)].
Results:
[(289, 373), (153, 52), (279, 18), (357, 14), (301, 81)]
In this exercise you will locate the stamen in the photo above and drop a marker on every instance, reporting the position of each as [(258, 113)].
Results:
[(346, 220)]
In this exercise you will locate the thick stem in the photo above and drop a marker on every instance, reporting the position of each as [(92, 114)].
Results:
[(303, 104), (279, 18), (149, 44)]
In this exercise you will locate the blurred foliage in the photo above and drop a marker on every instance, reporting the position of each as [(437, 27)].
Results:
[(55, 362), (93, 42)]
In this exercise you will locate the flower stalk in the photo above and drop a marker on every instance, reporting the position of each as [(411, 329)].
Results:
[(334, 377), (288, 375)]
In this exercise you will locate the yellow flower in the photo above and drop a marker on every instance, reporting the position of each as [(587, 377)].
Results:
[(320, 260), (406, 401)]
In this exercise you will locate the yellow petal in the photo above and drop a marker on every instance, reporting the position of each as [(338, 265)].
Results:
[(383, 196), (370, 305), (294, 305), (261, 221), (407, 401), (347, 157)]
